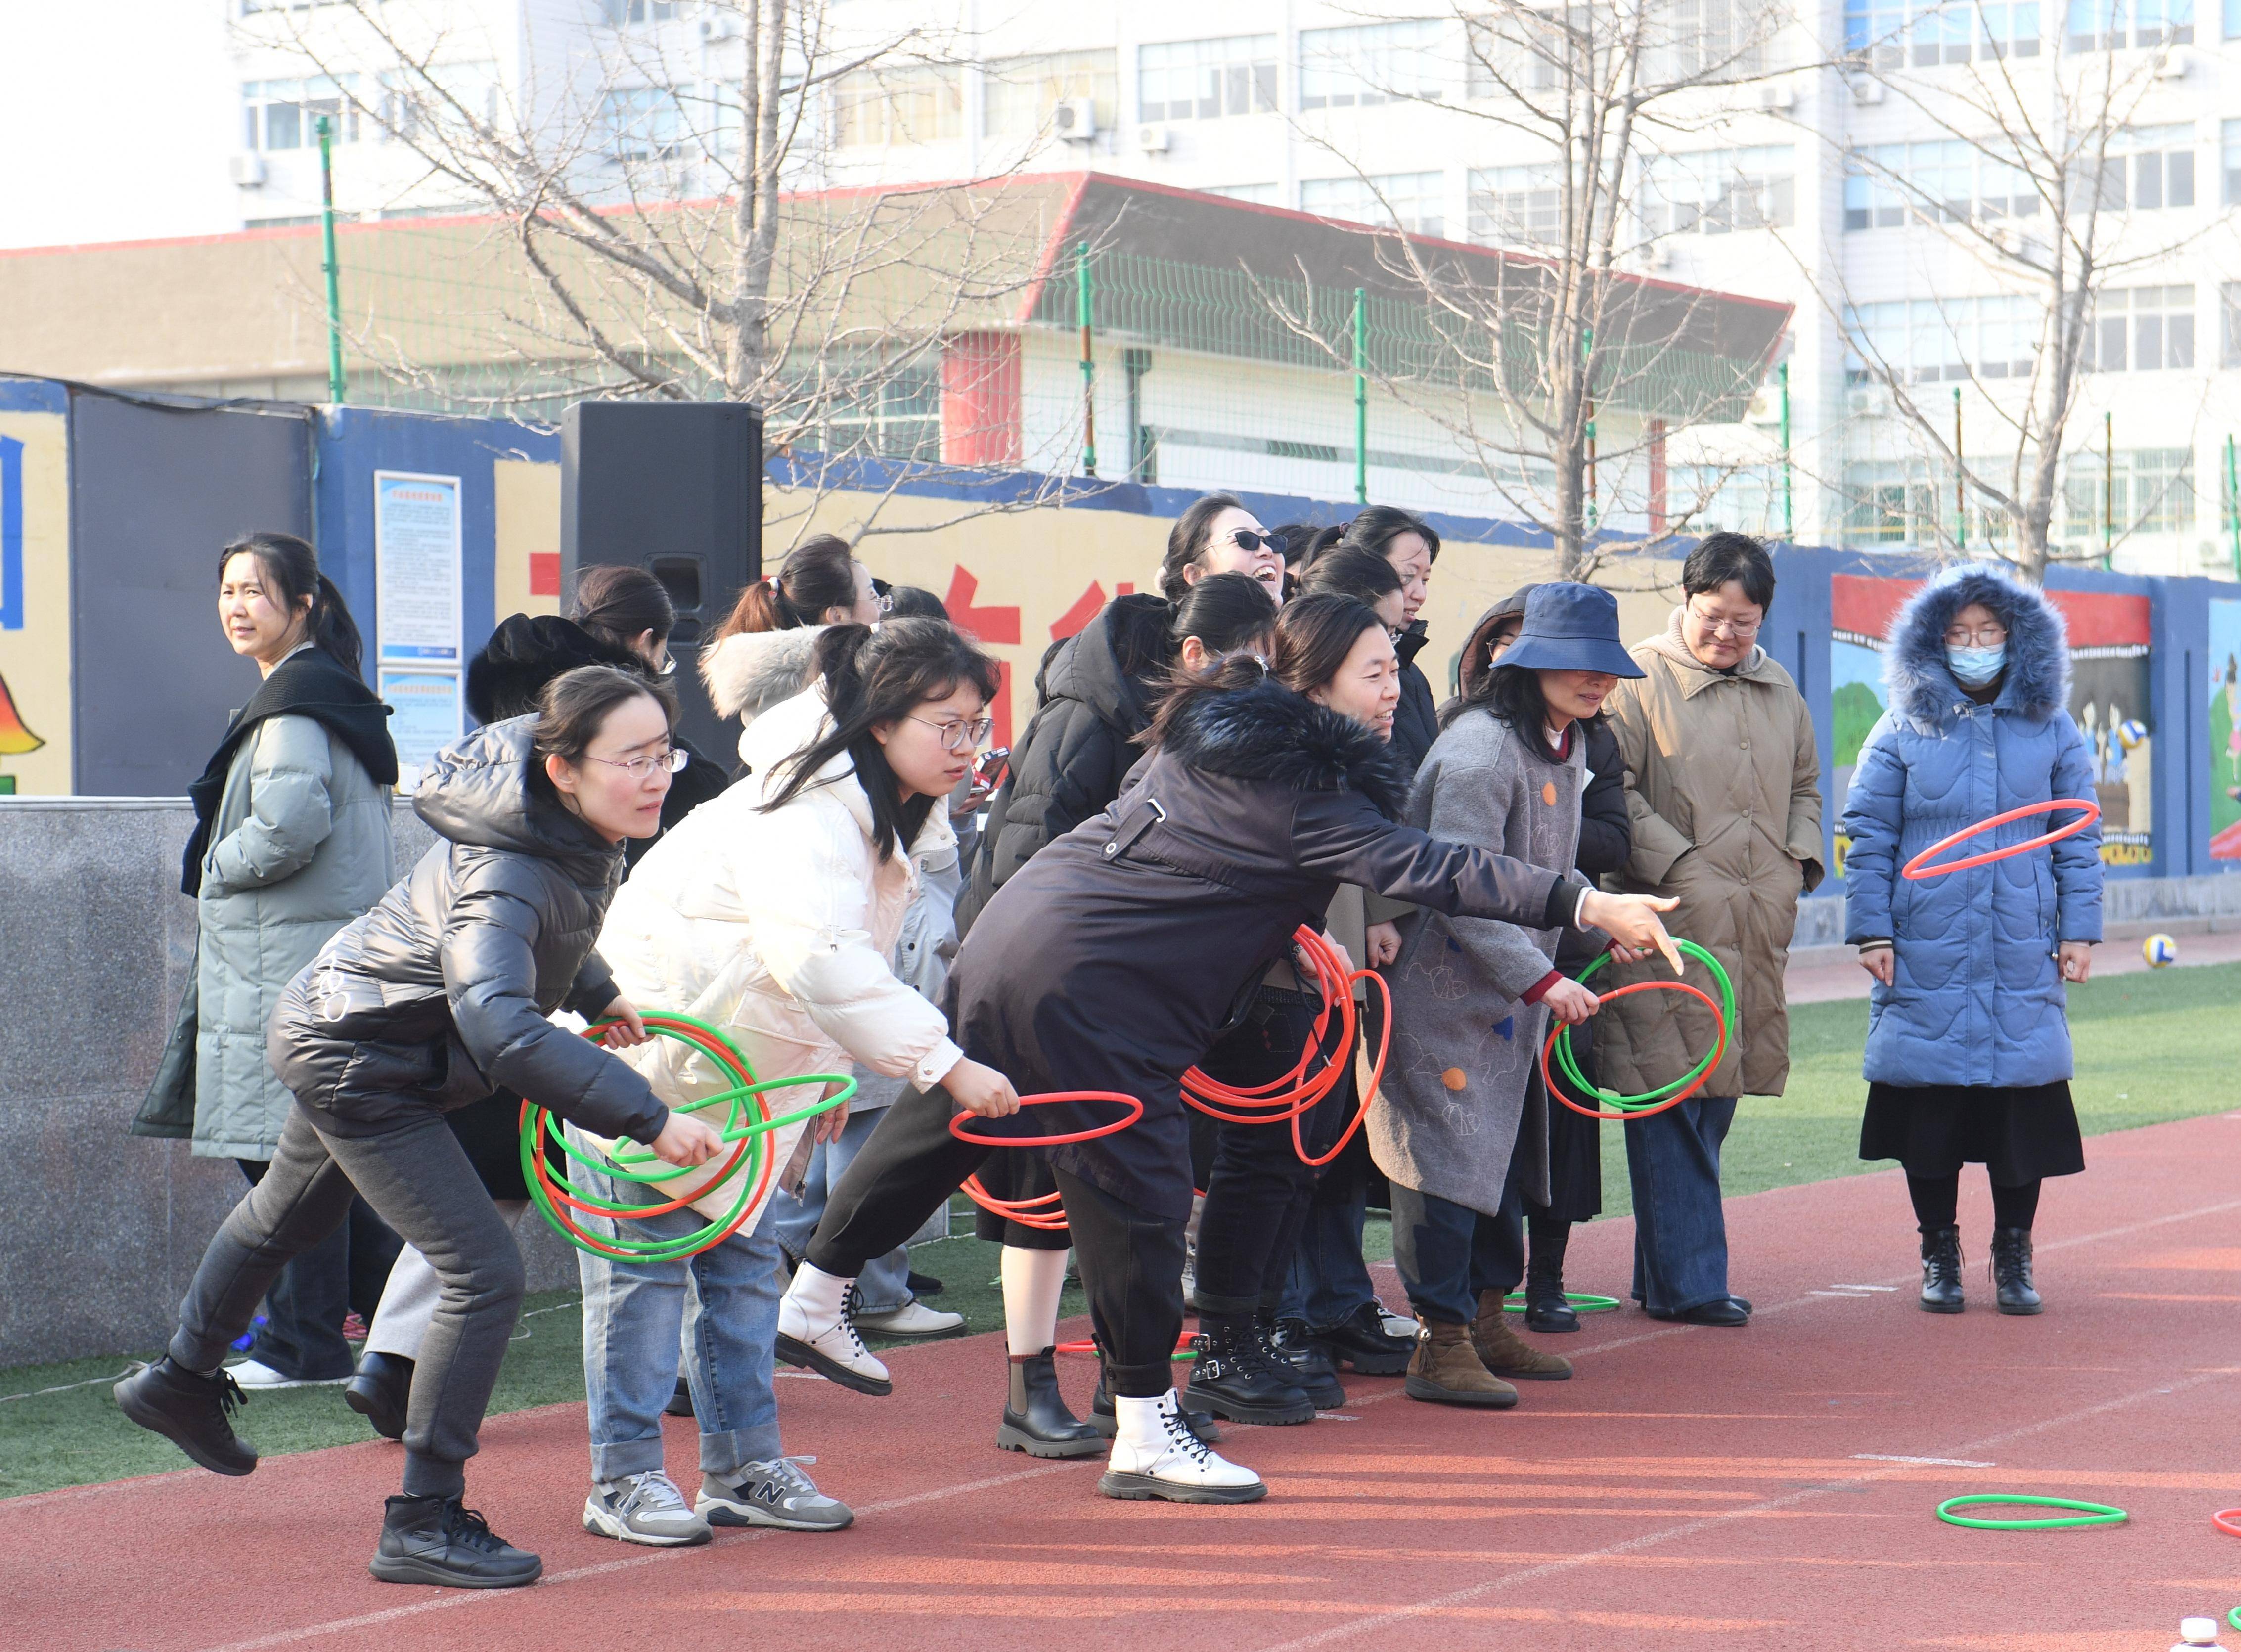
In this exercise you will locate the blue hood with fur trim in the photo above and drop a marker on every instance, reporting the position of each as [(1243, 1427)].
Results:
[(1976, 999)]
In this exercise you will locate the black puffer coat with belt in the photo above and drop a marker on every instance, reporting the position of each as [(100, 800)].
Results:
[(441, 992)]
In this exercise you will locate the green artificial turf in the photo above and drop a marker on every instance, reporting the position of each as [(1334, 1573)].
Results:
[(2150, 1047)]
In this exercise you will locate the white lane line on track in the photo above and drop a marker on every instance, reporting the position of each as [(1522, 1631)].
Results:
[(1354, 1628), (1926, 1462), (448, 1599)]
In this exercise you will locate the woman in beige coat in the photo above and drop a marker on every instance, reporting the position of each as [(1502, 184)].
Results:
[(1723, 792)]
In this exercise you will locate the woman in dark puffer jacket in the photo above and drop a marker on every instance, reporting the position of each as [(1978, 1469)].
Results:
[(427, 1003)]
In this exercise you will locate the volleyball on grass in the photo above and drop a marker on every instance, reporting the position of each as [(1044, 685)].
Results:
[(2130, 732), (2159, 951)]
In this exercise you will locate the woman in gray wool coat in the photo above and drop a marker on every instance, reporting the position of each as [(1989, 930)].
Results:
[(1471, 996)]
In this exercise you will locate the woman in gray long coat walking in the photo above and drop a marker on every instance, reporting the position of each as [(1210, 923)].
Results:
[(1471, 998), (291, 842)]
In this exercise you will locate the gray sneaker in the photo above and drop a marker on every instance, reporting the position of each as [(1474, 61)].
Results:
[(644, 1509), (773, 1493)]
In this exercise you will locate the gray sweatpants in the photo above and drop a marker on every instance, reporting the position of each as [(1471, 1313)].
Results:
[(419, 1181)]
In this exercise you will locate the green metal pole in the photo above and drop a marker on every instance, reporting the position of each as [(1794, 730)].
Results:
[(1360, 399), (2233, 504), (1788, 516), (1088, 365), (335, 385), (1960, 496)]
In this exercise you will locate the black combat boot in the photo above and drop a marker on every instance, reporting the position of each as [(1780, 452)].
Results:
[(1941, 1270)]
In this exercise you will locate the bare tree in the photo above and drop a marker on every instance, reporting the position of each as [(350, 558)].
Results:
[(664, 222), (2032, 165), (1525, 358)]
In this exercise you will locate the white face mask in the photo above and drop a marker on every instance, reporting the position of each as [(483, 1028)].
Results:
[(1975, 667)]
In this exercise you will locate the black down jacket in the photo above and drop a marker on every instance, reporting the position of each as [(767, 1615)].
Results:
[(1416, 718), (440, 994), (1111, 961), (1093, 697)]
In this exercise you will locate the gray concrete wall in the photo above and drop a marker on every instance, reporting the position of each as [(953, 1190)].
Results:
[(100, 1230)]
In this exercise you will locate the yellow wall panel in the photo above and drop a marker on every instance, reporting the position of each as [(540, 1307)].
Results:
[(35, 659)]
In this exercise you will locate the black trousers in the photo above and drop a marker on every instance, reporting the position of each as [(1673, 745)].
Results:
[(1448, 1255), (343, 1274), (1131, 1260)]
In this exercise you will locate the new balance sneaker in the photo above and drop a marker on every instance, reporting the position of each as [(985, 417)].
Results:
[(194, 1412), (437, 1540), (1156, 1455), (773, 1493), (644, 1509), (913, 1319)]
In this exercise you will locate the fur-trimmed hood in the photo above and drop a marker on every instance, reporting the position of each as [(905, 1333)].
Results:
[(1267, 732), (526, 653), (752, 671), (2036, 679)]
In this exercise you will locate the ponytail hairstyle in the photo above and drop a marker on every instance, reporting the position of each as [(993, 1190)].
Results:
[(1350, 571), (618, 605), (292, 569), (1186, 540), (1376, 526), (1307, 549), (1225, 612), (1314, 636), (871, 677), (817, 574)]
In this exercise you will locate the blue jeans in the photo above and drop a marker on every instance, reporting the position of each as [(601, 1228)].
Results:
[(1447, 1254), (884, 1286), (1328, 1282), (723, 1305), (1679, 1230)]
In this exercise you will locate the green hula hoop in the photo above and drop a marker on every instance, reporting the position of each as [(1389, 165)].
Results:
[(2087, 1513), (1581, 1302), (2233, 1618), (747, 1172), (1650, 1098)]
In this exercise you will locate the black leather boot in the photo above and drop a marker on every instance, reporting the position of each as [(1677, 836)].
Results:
[(1545, 1306), (380, 1391), (194, 1412), (434, 1540), (1106, 1421), (1360, 1341), (2011, 1271), (1941, 1271), (1236, 1378), (1318, 1377), (1036, 1417)]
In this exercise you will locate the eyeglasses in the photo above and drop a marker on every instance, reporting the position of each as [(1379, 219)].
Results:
[(1742, 630), (1247, 539), (639, 768), (1982, 637), (960, 737)]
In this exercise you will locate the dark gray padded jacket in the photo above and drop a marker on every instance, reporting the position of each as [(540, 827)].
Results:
[(441, 992)]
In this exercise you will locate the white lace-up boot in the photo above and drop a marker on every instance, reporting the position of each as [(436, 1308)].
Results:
[(815, 1331), (1155, 1454)]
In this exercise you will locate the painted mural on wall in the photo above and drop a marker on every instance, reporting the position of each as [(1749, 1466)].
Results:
[(2109, 644), (2224, 726), (35, 648)]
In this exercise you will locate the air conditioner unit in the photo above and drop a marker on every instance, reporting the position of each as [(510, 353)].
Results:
[(1076, 120), (1765, 406), (725, 27), (1654, 255), (1866, 90), (247, 169), (1777, 95), (1154, 140), (2172, 66)]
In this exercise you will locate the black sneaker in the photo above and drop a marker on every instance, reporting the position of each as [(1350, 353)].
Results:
[(924, 1285), (191, 1411), (1360, 1341), (381, 1392), (680, 1401), (435, 1539), (1317, 1375)]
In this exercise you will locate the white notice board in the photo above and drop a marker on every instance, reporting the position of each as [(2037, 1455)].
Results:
[(417, 568)]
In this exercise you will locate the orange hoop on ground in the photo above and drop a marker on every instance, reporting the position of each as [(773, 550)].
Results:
[(1915, 871), (2223, 1520), (1719, 1048)]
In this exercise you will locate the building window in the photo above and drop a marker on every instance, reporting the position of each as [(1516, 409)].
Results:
[(2229, 310), (2142, 330), (1519, 205), (875, 408), (1413, 201), (1719, 190), (902, 105), (1259, 194), (1890, 184), (2147, 168), (1522, 53), (646, 123), (1895, 34), (415, 101), (1924, 341), (1377, 63), (284, 114), (1018, 93), (2150, 491), (1206, 80), (2112, 25), (2230, 156), (621, 14)]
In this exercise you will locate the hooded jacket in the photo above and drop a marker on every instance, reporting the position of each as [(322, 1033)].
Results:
[(441, 992), (1094, 695), (1113, 959), (776, 926), (1976, 997), (1724, 797), (752, 671)]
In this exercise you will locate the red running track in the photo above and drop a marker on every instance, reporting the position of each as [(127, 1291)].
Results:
[(1762, 1488)]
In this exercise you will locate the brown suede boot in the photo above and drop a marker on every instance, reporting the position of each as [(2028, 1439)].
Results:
[(1503, 1352), (1446, 1370)]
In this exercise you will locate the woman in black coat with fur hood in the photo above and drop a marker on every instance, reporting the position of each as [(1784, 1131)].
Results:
[(1112, 962)]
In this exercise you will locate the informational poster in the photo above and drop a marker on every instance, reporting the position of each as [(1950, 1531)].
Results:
[(416, 583), (2224, 726)]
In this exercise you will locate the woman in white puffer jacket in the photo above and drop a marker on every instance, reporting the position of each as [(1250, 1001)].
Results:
[(772, 912)]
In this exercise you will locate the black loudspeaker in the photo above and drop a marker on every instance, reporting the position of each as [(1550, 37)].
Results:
[(675, 488)]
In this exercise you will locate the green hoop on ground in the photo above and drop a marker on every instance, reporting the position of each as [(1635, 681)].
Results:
[(2233, 1618), (1650, 1098), (1579, 1301), (2083, 1514)]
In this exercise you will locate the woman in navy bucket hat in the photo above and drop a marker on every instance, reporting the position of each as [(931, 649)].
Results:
[(1570, 627)]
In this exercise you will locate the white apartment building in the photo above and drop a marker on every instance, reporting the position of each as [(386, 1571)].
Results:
[(1820, 181)]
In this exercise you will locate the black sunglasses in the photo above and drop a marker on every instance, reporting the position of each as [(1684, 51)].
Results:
[(1246, 540)]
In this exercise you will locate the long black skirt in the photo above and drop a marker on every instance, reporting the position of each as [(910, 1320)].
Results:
[(2018, 1135)]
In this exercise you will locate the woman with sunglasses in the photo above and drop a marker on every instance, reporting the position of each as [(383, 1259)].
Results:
[(773, 915), (1112, 962)]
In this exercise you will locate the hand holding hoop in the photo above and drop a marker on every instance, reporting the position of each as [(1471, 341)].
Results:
[(1916, 869), (1136, 1112)]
